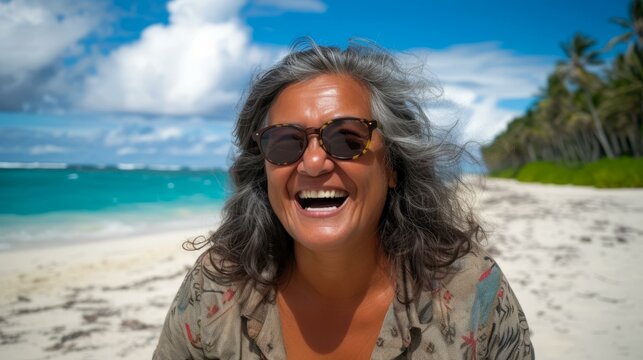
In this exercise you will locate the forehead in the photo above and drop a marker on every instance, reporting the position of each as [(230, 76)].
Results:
[(321, 98)]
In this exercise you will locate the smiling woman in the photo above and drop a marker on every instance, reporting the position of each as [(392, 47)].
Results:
[(343, 239), (318, 226)]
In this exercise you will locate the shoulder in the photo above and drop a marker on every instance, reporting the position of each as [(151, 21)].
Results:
[(475, 267), (476, 274), (469, 290), (201, 291), (475, 303), (473, 285), (199, 303)]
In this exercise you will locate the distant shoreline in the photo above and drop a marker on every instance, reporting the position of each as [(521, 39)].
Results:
[(119, 166)]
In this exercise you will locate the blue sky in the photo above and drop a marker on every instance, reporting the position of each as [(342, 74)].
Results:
[(155, 82)]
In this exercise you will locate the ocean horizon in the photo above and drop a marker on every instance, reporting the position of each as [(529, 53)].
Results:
[(48, 204)]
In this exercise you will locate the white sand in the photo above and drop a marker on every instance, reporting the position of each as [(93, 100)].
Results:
[(573, 257), (570, 253), (90, 301)]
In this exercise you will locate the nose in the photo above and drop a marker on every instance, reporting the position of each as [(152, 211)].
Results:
[(315, 161)]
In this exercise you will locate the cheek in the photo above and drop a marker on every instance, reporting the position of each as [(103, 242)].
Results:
[(277, 178), (378, 196), (379, 182)]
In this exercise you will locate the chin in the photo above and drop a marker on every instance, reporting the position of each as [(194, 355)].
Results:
[(327, 241)]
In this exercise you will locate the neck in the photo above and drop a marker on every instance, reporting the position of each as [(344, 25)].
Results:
[(344, 275)]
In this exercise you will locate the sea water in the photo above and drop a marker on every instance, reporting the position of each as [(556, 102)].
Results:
[(53, 204)]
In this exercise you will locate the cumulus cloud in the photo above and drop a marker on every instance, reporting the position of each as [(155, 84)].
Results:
[(47, 149), (35, 33), (294, 5), (223, 149), (35, 38), (142, 134), (200, 12), (197, 64), (112, 140), (475, 78)]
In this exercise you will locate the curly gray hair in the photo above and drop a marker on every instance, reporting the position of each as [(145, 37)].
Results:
[(425, 226)]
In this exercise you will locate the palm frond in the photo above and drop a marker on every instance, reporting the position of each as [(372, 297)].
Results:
[(636, 9), (623, 38), (624, 23)]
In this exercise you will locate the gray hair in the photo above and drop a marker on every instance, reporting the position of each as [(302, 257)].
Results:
[(424, 227)]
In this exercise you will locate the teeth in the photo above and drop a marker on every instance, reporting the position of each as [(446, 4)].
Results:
[(321, 209), (317, 194)]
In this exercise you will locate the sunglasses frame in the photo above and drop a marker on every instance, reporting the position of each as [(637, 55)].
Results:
[(370, 124)]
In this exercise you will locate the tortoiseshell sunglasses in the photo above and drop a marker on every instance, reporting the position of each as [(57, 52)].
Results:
[(343, 138)]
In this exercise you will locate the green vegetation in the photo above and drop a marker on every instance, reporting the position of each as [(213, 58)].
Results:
[(604, 173), (585, 115)]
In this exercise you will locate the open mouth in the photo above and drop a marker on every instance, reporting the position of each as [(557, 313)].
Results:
[(321, 200)]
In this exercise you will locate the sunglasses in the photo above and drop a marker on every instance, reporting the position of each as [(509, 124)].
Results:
[(342, 138)]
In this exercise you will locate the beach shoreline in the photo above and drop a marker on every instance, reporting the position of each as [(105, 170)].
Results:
[(570, 254)]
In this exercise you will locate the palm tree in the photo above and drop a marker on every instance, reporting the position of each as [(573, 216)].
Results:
[(624, 100), (575, 70), (633, 25), (626, 85)]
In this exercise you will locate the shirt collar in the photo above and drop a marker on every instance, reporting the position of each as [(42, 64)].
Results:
[(262, 320), (408, 316)]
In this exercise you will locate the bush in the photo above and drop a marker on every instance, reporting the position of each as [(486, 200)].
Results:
[(506, 173), (605, 173)]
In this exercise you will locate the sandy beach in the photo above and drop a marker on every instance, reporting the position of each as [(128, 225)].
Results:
[(572, 255)]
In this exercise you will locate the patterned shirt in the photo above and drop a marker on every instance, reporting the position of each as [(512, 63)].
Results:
[(472, 313)]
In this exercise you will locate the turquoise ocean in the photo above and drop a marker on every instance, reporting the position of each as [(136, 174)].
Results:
[(56, 204)]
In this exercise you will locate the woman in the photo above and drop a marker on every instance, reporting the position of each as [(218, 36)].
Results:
[(342, 239)]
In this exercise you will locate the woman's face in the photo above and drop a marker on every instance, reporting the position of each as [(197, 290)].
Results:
[(328, 225)]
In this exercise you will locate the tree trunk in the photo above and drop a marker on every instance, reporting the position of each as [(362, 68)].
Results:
[(625, 147), (582, 149), (583, 146), (531, 153), (615, 144), (598, 126), (636, 140), (593, 146)]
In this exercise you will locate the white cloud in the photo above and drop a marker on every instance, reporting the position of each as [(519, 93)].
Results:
[(35, 38), (47, 149), (295, 5), (134, 134), (223, 149), (213, 138), (201, 60), (474, 79), (200, 12), (195, 65), (486, 119), (194, 149), (33, 34), (130, 150), (127, 150)]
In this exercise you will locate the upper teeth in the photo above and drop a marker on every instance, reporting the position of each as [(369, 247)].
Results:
[(316, 194)]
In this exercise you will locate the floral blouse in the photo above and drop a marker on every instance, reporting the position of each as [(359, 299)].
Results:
[(471, 314)]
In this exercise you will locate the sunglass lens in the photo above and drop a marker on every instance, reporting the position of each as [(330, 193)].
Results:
[(283, 144), (346, 138)]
